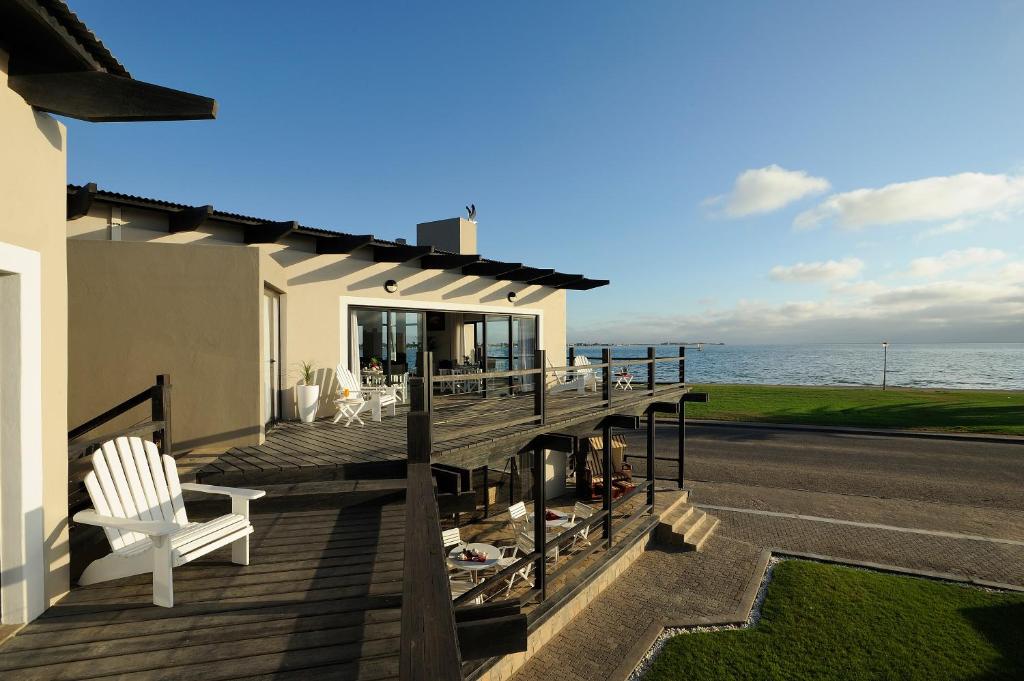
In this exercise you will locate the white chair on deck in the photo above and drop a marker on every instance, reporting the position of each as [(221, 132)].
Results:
[(519, 518), (451, 539), (585, 371), (362, 398), (563, 381), (580, 513), (137, 501)]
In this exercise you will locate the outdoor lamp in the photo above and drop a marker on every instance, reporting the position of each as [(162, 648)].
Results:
[(391, 286), (511, 296)]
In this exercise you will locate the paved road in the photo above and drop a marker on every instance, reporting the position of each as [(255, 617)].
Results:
[(987, 475)]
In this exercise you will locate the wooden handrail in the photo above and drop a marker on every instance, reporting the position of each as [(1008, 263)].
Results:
[(429, 648), (158, 394)]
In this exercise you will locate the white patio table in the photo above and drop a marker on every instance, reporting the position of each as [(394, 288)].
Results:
[(471, 566)]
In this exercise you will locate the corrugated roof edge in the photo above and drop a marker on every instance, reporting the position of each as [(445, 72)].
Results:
[(84, 35)]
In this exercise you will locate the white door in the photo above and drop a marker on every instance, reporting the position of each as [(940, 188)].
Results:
[(271, 356)]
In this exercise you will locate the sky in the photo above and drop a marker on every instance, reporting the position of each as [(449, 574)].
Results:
[(742, 172)]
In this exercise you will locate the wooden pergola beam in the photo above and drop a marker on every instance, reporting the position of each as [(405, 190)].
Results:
[(695, 397), (585, 284), (188, 219), (80, 201), (556, 279), (342, 244), (556, 442), (101, 97), (491, 269), (269, 232), (400, 253), (525, 274), (620, 421), (663, 408), (447, 261)]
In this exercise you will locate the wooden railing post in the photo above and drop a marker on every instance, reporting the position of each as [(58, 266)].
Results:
[(682, 421), (606, 376), (651, 428), (540, 535), (572, 356), (161, 410), (606, 499), (541, 386)]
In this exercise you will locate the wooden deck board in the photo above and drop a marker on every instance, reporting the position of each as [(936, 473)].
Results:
[(324, 450), (321, 597)]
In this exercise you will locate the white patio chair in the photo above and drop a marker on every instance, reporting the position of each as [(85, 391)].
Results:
[(509, 555), (584, 370), (362, 398), (580, 512), (451, 539), (563, 381), (400, 382), (137, 501), (520, 519)]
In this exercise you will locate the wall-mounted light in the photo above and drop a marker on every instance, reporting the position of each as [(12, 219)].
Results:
[(511, 296), (391, 286)]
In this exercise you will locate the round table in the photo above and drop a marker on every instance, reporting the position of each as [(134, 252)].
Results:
[(471, 566), (561, 521)]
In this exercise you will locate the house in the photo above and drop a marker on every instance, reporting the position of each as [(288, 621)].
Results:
[(49, 62), (229, 305)]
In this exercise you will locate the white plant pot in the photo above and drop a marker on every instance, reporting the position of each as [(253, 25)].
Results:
[(308, 398)]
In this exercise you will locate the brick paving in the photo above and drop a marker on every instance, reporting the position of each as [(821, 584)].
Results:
[(660, 584), (964, 557)]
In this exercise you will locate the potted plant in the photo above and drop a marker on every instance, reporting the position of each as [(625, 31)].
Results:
[(307, 393)]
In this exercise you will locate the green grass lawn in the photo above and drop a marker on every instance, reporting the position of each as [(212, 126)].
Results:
[(830, 622), (966, 411)]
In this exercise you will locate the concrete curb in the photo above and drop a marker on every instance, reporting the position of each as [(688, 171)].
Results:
[(850, 430)]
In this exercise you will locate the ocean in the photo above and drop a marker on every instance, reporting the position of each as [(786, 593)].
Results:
[(993, 366)]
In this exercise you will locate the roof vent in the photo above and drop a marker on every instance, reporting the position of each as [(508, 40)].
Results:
[(455, 235)]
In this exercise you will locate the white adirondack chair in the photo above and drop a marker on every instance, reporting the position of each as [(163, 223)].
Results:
[(585, 371), (564, 382), (138, 503), (361, 398)]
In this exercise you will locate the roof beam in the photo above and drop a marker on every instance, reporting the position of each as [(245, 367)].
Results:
[(269, 232), (556, 442), (80, 201), (103, 97), (188, 219), (585, 284), (447, 261), (491, 269), (342, 244), (695, 397), (556, 279), (400, 253), (525, 274)]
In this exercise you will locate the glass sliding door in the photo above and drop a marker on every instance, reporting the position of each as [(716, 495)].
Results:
[(497, 350), (524, 345), (391, 338)]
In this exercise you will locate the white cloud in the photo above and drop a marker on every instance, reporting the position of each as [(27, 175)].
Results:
[(931, 198), (933, 266), (954, 227), (828, 270), (763, 190)]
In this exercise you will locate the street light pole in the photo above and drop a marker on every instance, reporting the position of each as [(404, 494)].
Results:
[(885, 361)]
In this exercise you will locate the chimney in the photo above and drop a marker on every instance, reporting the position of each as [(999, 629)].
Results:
[(457, 235)]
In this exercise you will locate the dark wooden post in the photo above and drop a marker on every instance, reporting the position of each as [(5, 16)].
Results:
[(682, 420), (606, 377), (541, 385), (487, 491), (651, 428), (572, 356), (161, 410), (540, 535), (607, 497)]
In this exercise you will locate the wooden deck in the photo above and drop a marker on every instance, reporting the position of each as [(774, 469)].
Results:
[(321, 597), (296, 451)]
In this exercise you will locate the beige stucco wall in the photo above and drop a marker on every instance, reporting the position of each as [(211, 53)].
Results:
[(32, 215), (139, 309), (313, 290)]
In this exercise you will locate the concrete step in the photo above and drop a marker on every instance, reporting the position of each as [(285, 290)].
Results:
[(685, 526), (694, 539)]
